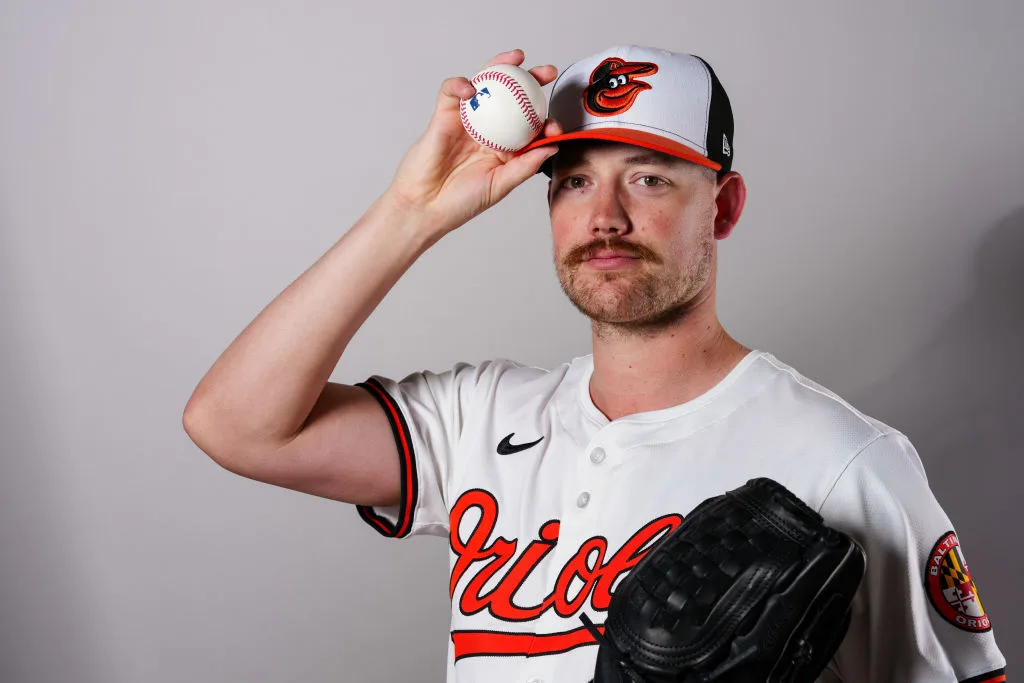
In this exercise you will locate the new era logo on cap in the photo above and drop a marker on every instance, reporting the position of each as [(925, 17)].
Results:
[(652, 98)]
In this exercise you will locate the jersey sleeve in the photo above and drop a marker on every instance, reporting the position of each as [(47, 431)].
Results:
[(427, 412), (917, 616)]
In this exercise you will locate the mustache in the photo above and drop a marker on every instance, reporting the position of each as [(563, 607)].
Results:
[(587, 251)]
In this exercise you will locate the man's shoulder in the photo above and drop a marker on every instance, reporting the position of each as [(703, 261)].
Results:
[(796, 398), (512, 378), (814, 435), (501, 375)]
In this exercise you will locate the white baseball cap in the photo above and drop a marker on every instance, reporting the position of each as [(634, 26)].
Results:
[(665, 101)]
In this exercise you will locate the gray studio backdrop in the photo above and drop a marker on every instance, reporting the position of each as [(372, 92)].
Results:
[(167, 168)]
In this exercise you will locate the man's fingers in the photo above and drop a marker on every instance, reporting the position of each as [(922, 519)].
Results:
[(544, 74), (551, 129), (513, 57), (453, 90), (459, 88), (518, 169)]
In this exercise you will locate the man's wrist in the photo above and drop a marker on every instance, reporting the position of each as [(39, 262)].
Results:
[(410, 221)]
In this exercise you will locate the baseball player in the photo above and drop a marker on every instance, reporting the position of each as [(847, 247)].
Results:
[(551, 484)]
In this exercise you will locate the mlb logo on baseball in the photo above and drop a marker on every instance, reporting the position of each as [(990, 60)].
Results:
[(474, 101)]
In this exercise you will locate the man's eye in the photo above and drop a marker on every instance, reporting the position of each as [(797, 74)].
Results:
[(651, 181), (573, 183)]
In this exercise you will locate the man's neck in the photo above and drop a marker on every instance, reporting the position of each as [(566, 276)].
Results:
[(636, 373)]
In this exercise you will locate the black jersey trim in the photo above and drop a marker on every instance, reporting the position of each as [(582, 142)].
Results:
[(996, 676), (406, 461)]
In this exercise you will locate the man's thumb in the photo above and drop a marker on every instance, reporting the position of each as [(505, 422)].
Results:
[(519, 168)]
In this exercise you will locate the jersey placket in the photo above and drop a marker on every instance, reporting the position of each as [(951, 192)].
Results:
[(580, 521)]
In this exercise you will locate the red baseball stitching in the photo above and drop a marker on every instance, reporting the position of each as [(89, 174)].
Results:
[(475, 135), (517, 92)]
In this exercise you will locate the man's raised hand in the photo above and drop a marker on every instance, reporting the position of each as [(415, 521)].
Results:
[(451, 178)]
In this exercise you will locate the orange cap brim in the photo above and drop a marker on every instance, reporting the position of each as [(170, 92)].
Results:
[(630, 137)]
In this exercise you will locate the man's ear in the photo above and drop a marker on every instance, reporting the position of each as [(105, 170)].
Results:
[(730, 196)]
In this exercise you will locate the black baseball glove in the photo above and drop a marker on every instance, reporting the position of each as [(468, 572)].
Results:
[(752, 587)]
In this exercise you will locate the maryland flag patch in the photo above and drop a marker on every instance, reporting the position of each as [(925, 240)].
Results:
[(950, 587)]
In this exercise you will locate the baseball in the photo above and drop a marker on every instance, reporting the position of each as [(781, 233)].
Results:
[(508, 109)]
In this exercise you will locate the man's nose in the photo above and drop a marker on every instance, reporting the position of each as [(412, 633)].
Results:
[(609, 213)]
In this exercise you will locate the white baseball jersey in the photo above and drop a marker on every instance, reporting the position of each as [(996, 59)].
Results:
[(547, 504)]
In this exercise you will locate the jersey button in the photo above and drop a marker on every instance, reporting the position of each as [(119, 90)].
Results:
[(583, 500), (597, 457)]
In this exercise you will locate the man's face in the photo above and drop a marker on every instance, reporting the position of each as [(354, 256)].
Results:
[(633, 232)]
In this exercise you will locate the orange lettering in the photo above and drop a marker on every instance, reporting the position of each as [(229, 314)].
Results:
[(598, 577)]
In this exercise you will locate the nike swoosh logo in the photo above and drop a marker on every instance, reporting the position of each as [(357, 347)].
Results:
[(506, 447)]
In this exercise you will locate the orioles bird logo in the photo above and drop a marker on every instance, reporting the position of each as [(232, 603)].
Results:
[(612, 88)]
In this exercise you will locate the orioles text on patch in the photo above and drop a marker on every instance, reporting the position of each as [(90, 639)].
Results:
[(950, 587)]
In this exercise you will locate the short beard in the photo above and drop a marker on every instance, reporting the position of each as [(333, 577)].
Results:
[(650, 303)]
